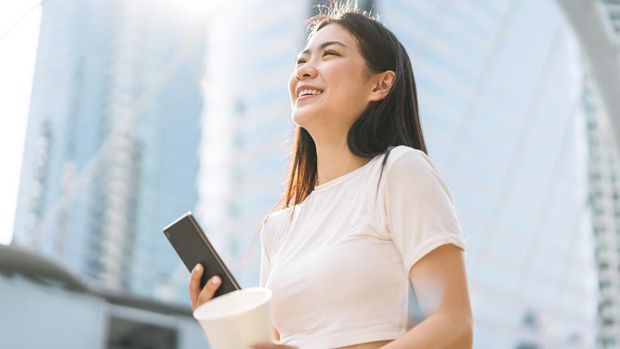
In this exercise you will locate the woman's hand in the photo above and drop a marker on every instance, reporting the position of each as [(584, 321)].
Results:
[(270, 346), (197, 295)]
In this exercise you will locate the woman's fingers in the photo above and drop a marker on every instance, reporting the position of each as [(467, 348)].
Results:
[(194, 284), (197, 295), (209, 290)]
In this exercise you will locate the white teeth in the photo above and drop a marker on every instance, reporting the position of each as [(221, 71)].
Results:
[(309, 92)]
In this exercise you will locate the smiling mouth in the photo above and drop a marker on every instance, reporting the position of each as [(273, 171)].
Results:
[(305, 95)]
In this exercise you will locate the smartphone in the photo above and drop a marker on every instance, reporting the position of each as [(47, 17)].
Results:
[(192, 245)]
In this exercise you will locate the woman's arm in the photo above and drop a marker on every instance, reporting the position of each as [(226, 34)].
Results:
[(440, 283)]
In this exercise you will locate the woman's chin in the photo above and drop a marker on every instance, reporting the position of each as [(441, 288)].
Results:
[(302, 118)]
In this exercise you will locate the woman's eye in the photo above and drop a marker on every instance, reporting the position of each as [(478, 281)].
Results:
[(301, 61)]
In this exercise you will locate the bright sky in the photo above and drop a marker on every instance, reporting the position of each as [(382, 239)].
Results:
[(19, 31)]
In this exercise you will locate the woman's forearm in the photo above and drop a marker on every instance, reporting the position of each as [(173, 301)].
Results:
[(437, 331)]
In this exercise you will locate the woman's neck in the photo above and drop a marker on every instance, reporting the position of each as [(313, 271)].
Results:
[(335, 160)]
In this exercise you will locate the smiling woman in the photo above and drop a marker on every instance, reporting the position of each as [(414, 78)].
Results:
[(365, 211)]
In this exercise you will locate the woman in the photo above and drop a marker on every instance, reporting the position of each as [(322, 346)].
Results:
[(365, 210)]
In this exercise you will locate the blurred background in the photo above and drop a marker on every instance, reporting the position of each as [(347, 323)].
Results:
[(118, 116)]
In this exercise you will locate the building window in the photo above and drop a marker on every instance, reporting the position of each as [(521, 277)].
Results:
[(603, 265)]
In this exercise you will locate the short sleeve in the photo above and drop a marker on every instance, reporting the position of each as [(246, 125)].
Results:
[(419, 209), (265, 259)]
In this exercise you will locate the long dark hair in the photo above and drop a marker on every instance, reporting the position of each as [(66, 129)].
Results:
[(385, 124)]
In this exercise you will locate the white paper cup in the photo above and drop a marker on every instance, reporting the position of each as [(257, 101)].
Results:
[(237, 319)]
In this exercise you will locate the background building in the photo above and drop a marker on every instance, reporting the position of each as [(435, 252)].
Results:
[(112, 141), (604, 175), (597, 26), (45, 305), (247, 123)]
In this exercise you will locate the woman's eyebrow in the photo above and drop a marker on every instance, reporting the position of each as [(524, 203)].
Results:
[(323, 45)]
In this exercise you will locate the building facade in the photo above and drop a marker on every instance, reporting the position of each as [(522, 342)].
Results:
[(111, 153), (604, 172), (247, 125)]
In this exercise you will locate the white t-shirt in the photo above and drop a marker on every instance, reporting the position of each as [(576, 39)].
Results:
[(339, 271)]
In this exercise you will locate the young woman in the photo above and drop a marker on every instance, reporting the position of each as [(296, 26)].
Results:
[(365, 211)]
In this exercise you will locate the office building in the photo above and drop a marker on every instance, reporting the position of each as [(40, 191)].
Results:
[(111, 153), (604, 172)]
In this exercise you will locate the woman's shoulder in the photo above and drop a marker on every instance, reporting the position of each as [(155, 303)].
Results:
[(405, 160), (412, 169)]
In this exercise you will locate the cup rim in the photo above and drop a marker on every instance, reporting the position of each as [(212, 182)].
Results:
[(264, 290)]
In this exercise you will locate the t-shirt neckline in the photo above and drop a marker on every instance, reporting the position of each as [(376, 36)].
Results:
[(336, 181)]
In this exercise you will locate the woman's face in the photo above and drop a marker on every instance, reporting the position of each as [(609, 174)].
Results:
[(330, 85)]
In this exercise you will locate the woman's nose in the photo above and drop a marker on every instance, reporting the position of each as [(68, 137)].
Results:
[(305, 71)]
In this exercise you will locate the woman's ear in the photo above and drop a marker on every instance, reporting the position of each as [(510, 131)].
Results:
[(382, 84)]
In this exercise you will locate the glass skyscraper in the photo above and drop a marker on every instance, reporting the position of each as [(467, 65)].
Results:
[(500, 90), (111, 152), (247, 125), (604, 176)]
